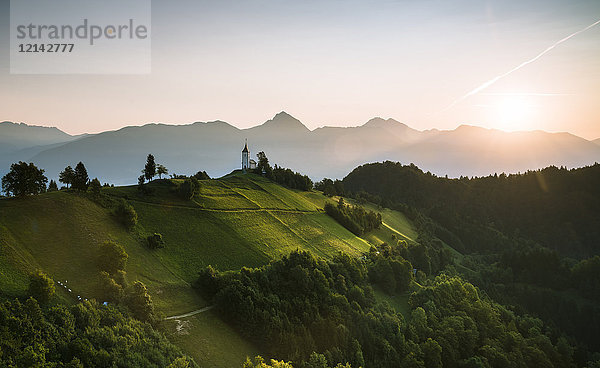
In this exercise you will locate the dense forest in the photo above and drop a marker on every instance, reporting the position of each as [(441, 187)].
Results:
[(529, 240), (83, 335), (555, 207), (305, 309)]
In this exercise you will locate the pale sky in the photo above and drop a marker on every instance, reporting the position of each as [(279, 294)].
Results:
[(337, 63)]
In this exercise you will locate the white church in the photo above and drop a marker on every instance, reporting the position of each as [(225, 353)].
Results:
[(247, 162)]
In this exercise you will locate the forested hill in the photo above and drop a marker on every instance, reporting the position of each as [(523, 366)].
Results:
[(555, 207), (528, 240)]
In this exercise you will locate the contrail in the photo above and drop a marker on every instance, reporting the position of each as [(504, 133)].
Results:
[(494, 80)]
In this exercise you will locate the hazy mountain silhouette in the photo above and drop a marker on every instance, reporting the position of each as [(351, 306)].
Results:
[(19, 141), (282, 123), (118, 156), (470, 150), (16, 136), (597, 141)]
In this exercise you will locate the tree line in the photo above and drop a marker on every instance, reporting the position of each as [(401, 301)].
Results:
[(281, 175), (330, 187), (354, 218), (554, 207), (26, 179), (300, 308)]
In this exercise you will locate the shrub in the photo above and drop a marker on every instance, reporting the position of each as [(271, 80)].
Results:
[(41, 286), (155, 241), (110, 289), (95, 186), (126, 214), (181, 362), (139, 302), (207, 282), (112, 257), (188, 188)]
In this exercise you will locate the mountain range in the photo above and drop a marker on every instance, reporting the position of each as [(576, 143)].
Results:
[(118, 156)]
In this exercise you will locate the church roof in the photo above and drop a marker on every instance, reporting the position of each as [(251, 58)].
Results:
[(245, 147)]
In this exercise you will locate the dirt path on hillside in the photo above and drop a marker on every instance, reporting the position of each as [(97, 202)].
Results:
[(189, 314)]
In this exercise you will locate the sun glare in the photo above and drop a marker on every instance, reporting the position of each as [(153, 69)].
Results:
[(513, 113)]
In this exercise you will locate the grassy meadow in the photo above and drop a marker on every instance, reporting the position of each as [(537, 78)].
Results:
[(235, 221)]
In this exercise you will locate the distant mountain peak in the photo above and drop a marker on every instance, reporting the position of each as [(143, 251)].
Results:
[(468, 126), (283, 114), (375, 121), (285, 121), (389, 123), (475, 129), (26, 132), (378, 122)]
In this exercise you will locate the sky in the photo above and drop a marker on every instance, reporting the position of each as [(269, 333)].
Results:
[(428, 63)]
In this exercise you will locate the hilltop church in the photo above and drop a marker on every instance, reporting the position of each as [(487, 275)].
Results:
[(247, 162)]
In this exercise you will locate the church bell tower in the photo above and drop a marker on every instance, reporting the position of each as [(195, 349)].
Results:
[(245, 157)]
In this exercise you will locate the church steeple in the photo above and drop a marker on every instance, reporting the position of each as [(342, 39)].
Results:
[(245, 157)]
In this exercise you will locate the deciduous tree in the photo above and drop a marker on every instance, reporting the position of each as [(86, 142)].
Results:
[(125, 214), (24, 179), (66, 176), (188, 188), (41, 286), (110, 289), (263, 165), (161, 170), (112, 257), (139, 302)]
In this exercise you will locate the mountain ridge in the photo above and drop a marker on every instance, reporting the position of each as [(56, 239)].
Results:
[(215, 146)]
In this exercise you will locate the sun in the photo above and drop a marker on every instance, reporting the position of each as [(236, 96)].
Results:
[(513, 113)]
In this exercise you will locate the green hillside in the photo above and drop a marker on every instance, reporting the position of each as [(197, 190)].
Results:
[(235, 221)]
